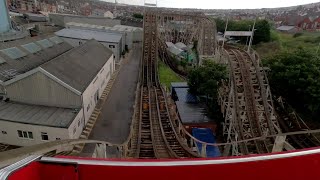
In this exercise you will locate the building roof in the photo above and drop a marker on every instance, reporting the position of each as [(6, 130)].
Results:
[(285, 28), (184, 95), (181, 45), (179, 85), (170, 44), (175, 50), (79, 66), (37, 115), (12, 67), (191, 113), (89, 34)]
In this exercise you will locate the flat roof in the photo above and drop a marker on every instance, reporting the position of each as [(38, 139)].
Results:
[(37, 115), (191, 113), (184, 95), (285, 28), (90, 34), (179, 85)]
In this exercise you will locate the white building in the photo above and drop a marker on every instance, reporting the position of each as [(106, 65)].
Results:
[(76, 37), (50, 89), (108, 14), (102, 13), (130, 34)]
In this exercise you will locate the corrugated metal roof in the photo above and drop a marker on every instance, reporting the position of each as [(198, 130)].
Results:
[(31, 60), (90, 34), (37, 115), (191, 113), (79, 66), (184, 95)]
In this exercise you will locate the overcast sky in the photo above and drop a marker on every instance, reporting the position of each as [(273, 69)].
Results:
[(220, 4)]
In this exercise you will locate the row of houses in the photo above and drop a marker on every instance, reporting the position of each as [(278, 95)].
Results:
[(298, 23), (310, 24)]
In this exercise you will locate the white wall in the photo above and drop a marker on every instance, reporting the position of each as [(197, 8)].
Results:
[(75, 43), (12, 138), (98, 84), (75, 125)]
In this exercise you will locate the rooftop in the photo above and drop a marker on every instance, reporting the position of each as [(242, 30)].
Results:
[(191, 113), (90, 34), (26, 54), (79, 66), (189, 110), (36, 115), (285, 28)]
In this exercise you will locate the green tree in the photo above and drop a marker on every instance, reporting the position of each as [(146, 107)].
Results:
[(262, 33), (138, 16), (295, 75), (204, 81)]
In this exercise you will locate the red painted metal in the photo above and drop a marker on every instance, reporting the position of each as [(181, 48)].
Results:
[(293, 168)]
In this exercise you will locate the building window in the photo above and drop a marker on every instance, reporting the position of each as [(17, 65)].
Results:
[(74, 130), (58, 138), (103, 82), (108, 74), (25, 134), (82, 119), (30, 135), (44, 136), (79, 121), (88, 107), (4, 132), (112, 46)]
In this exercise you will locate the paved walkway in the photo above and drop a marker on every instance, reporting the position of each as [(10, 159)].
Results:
[(113, 124)]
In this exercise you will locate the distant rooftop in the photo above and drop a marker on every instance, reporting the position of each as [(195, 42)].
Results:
[(37, 115), (285, 28), (90, 34)]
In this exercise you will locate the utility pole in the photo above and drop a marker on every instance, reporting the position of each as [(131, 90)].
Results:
[(247, 41), (251, 37), (225, 30)]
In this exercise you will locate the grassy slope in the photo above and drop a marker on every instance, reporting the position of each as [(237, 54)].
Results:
[(287, 41), (167, 76)]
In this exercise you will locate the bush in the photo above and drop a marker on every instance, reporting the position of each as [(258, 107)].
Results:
[(138, 16), (295, 75), (297, 35)]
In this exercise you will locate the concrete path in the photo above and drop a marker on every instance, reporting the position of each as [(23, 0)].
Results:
[(114, 121)]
